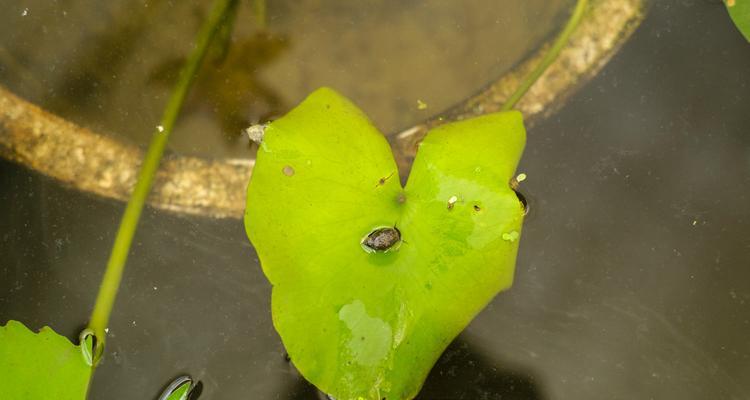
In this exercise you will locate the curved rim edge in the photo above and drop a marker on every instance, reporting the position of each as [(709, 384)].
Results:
[(100, 164)]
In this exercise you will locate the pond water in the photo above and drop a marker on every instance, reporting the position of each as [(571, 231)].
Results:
[(632, 279), (114, 68)]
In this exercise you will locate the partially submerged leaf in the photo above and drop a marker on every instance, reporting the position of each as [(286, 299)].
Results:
[(371, 280), (739, 10), (40, 365), (179, 389), (181, 393)]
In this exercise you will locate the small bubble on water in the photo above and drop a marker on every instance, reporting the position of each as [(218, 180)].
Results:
[(160, 128), (25, 12)]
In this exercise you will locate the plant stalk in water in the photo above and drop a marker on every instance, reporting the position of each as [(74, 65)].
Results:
[(113, 274), (549, 58)]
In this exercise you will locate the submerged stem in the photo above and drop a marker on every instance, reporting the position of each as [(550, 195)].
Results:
[(554, 51), (260, 13), (113, 274)]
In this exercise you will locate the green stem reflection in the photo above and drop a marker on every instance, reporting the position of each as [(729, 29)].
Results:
[(549, 58), (113, 274)]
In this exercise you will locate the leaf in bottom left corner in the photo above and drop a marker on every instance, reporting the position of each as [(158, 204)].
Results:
[(41, 365)]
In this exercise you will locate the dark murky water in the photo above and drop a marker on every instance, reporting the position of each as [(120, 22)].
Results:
[(632, 280), (113, 70)]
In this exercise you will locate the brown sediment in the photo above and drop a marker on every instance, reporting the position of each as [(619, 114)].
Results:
[(108, 167)]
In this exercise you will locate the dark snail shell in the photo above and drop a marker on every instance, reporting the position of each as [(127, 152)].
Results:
[(382, 239)]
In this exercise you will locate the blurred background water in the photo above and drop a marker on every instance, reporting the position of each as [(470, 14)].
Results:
[(633, 278), (109, 65)]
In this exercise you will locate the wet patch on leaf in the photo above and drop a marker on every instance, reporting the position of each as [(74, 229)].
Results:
[(370, 338)]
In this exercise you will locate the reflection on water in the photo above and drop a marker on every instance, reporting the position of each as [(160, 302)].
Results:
[(107, 65), (230, 82)]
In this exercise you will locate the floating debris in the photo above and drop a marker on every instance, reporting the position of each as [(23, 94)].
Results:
[(452, 201), (256, 132), (511, 236)]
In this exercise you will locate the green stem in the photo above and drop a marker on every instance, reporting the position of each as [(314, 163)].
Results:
[(260, 13), (549, 58), (113, 274)]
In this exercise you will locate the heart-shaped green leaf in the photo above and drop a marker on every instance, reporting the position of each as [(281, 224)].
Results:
[(368, 322), (40, 365)]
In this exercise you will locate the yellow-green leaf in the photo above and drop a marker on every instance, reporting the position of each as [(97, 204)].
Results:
[(40, 365), (368, 322), (739, 10)]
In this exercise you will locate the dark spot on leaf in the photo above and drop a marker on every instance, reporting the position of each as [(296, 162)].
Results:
[(382, 239), (401, 199), (383, 180), (288, 170), (524, 203), (287, 358), (477, 208)]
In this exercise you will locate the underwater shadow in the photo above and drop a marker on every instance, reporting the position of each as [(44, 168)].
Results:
[(461, 372)]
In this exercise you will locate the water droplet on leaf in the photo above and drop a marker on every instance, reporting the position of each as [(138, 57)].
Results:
[(510, 236)]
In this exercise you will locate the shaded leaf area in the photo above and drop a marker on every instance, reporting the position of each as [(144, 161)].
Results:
[(41, 365), (368, 322), (463, 372), (739, 10)]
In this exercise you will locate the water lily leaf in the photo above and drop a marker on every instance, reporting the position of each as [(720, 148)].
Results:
[(180, 393), (371, 281), (739, 10), (179, 389), (41, 365)]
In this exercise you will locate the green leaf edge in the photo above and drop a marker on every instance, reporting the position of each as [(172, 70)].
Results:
[(331, 96), (15, 339), (740, 14)]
